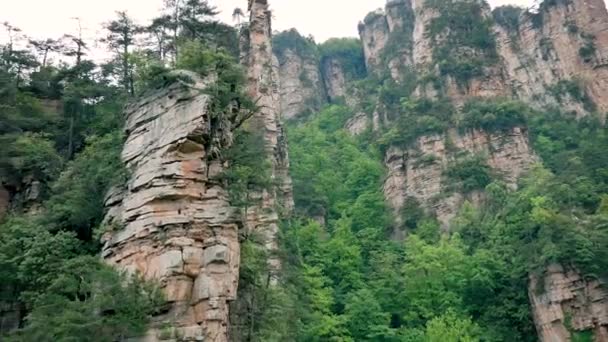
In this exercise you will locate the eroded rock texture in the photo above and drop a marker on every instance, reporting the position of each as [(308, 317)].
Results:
[(564, 45), (301, 84), (173, 223), (263, 85), (419, 172), (567, 306)]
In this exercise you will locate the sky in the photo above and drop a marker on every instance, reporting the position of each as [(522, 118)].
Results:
[(321, 18)]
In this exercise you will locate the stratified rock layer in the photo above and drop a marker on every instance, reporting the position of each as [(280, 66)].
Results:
[(565, 304), (564, 44), (301, 85), (418, 172), (173, 223), (263, 87)]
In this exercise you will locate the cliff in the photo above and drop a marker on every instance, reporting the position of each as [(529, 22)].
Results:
[(460, 51), (263, 87), (173, 222), (301, 84), (568, 307)]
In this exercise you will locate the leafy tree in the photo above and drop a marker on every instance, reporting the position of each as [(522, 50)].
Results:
[(121, 35), (365, 319), (89, 301), (45, 47), (449, 327)]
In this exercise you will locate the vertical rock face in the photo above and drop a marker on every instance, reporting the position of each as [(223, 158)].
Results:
[(263, 82), (563, 41), (334, 79), (374, 33), (301, 84), (173, 223), (418, 172), (568, 307), (557, 56), (387, 35)]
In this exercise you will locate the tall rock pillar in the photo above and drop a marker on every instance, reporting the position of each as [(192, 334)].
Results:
[(173, 223), (263, 81)]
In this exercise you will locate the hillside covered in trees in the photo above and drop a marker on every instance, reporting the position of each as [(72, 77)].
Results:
[(444, 177)]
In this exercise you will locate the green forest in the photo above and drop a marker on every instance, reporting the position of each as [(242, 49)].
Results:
[(343, 277)]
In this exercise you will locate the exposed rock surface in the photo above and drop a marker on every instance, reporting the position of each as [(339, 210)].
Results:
[(173, 223), (388, 29), (564, 45), (565, 304), (334, 79), (418, 172), (301, 84), (549, 47), (565, 41), (263, 85)]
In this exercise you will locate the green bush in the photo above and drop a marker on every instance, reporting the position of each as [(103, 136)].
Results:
[(508, 16), (494, 115), (90, 301), (468, 44), (469, 173), (574, 89), (417, 118), (292, 40), (347, 51)]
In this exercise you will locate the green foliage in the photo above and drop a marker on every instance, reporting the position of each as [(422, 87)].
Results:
[(587, 51), (348, 52), (469, 173), (77, 197), (467, 42), (508, 16), (248, 172), (573, 89), (449, 327), (30, 257), (292, 40), (582, 336), (365, 319), (418, 117), (28, 154), (89, 301), (331, 172), (494, 115)]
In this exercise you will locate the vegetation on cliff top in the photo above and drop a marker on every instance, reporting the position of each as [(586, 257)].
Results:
[(61, 134)]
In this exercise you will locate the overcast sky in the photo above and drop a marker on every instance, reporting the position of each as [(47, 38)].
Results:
[(321, 18)]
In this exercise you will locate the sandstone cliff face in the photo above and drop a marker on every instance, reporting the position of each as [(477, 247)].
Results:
[(263, 85), (566, 306), (564, 41), (301, 84), (173, 223), (334, 79), (418, 171), (564, 45), (387, 36)]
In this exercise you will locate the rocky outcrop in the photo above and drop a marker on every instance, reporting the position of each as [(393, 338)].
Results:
[(565, 40), (172, 223), (301, 85), (263, 87), (386, 36), (418, 171), (568, 307), (334, 79)]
